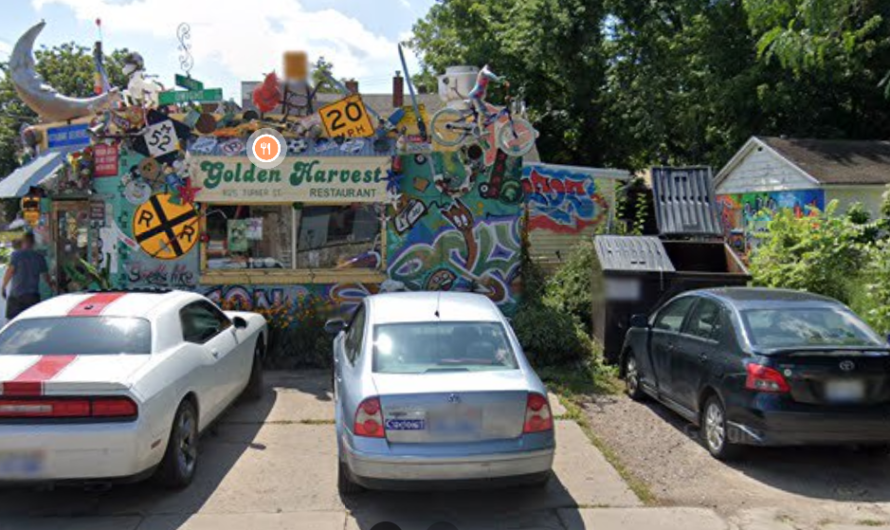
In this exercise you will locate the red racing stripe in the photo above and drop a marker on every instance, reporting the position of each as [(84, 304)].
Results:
[(94, 305), (30, 382)]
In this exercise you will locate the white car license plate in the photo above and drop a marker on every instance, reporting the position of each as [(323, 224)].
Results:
[(845, 391), (19, 465)]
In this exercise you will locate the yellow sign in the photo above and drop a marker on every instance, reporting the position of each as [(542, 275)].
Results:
[(296, 66), (409, 119), (163, 229), (347, 118)]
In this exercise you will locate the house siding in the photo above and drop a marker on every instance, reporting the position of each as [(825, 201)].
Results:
[(764, 170), (869, 196)]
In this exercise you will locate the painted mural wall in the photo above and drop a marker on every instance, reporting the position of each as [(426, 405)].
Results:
[(745, 215), (457, 226)]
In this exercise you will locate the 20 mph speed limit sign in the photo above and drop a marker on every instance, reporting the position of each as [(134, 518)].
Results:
[(347, 118)]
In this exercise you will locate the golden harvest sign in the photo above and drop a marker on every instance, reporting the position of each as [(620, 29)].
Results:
[(297, 179)]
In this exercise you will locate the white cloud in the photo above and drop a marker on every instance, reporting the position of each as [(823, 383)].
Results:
[(247, 38)]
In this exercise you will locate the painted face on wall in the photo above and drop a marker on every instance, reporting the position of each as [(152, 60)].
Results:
[(441, 280)]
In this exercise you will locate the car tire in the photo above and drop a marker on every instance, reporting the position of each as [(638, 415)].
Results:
[(715, 431), (180, 462), (345, 484), (254, 389), (632, 377)]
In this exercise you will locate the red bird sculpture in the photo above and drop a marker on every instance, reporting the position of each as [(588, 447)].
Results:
[(267, 96)]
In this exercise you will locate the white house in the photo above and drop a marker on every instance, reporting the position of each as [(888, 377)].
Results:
[(770, 173)]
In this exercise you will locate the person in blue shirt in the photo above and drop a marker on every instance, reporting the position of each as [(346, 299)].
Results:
[(26, 267)]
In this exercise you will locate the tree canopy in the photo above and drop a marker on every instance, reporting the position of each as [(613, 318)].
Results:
[(631, 84), (70, 69)]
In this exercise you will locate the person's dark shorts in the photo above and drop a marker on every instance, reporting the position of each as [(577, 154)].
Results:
[(17, 304)]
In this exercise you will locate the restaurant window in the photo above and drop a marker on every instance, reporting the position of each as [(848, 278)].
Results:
[(285, 237)]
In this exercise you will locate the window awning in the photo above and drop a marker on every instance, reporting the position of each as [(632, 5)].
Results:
[(34, 173)]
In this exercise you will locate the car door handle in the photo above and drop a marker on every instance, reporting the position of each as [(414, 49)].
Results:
[(703, 357), (214, 352)]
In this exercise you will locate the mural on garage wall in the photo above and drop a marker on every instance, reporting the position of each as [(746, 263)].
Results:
[(457, 225), (564, 201), (745, 215)]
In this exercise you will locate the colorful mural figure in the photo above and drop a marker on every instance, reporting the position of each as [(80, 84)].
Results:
[(563, 201), (745, 215), (465, 243)]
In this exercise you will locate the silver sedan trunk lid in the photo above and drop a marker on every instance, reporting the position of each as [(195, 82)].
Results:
[(452, 407)]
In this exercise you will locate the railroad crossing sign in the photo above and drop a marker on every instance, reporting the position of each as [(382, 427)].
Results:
[(165, 230)]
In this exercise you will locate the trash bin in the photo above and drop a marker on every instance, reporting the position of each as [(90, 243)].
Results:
[(637, 273)]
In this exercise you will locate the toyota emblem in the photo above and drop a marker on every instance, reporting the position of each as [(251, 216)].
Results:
[(453, 398), (847, 366)]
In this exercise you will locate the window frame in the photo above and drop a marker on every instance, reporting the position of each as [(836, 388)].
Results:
[(687, 323), (661, 312), (214, 309), (354, 352), (293, 274)]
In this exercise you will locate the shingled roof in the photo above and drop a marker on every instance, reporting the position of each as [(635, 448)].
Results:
[(835, 162)]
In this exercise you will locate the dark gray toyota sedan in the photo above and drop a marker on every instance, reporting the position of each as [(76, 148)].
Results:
[(763, 367)]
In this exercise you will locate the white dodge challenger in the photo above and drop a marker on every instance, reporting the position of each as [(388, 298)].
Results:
[(117, 386)]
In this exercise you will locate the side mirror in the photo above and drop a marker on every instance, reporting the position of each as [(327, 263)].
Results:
[(639, 321), (334, 326), (239, 323), (888, 338)]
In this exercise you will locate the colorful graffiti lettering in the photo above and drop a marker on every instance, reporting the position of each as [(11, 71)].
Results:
[(562, 201), (284, 306)]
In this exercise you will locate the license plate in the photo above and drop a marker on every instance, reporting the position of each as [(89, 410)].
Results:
[(456, 421), (18, 465), (845, 391), (405, 425)]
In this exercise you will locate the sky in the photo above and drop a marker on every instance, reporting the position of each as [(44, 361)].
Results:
[(232, 40)]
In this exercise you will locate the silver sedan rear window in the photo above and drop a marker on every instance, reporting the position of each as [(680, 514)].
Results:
[(429, 347), (76, 336)]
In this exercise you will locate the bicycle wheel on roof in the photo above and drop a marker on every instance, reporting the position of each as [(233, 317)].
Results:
[(449, 127)]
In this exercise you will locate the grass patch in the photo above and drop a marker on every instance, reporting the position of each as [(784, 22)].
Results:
[(572, 383), (571, 399), (870, 522)]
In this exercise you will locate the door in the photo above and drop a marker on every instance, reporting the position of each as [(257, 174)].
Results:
[(663, 341), (208, 328), (696, 350), (71, 222)]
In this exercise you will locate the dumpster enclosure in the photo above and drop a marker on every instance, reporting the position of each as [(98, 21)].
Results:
[(635, 274)]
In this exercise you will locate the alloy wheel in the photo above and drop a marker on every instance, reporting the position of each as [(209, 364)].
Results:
[(188, 442), (632, 376), (715, 428)]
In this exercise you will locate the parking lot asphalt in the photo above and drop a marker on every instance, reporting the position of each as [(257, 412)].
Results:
[(271, 465)]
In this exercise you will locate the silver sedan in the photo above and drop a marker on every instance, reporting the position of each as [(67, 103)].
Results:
[(434, 387)]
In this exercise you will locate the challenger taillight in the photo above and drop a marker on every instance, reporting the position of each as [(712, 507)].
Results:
[(369, 419), (537, 414), (119, 408), (765, 379)]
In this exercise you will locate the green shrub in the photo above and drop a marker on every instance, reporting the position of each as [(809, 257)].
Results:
[(550, 337), (569, 289), (872, 300), (301, 345), (823, 254)]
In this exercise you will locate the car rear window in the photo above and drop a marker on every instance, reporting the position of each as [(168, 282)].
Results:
[(429, 347), (76, 335), (800, 327)]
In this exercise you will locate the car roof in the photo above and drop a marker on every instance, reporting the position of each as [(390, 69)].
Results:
[(129, 304), (766, 298), (391, 308)]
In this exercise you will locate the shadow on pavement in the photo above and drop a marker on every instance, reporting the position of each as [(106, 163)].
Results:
[(220, 448), (510, 507), (835, 473)]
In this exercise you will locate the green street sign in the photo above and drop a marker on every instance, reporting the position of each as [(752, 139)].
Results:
[(208, 95), (188, 83)]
